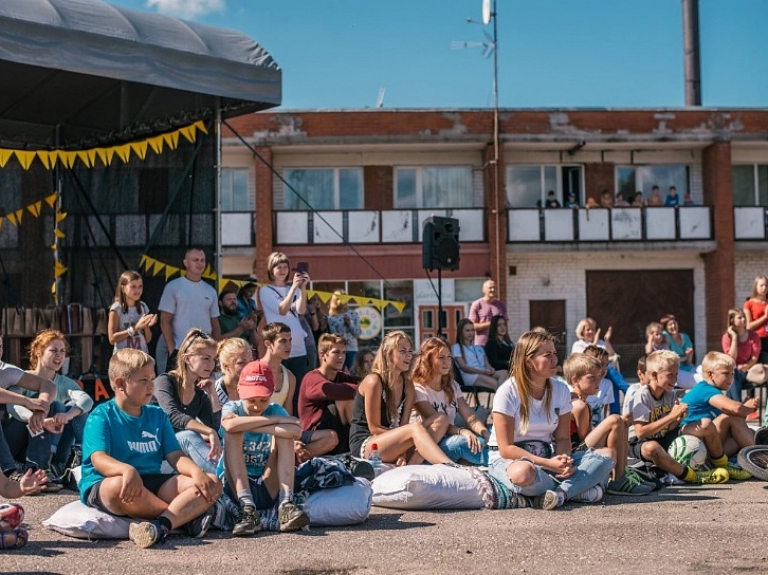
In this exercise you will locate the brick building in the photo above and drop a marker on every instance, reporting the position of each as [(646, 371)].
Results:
[(371, 177)]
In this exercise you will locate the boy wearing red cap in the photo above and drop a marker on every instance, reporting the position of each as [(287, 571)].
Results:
[(258, 452)]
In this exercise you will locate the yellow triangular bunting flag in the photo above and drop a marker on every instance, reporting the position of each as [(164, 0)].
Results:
[(139, 148), (142, 261), (169, 271), (59, 234), (102, 154), (25, 158), (60, 217), (35, 208), (51, 200), (189, 132), (82, 155), (5, 155), (399, 306), (158, 267), (124, 152), (67, 158), (156, 144), (59, 269), (45, 158), (201, 126), (172, 139)]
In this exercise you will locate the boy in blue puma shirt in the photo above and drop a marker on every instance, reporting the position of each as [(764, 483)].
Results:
[(125, 442), (716, 418)]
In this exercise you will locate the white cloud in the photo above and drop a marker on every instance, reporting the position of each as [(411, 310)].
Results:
[(186, 8)]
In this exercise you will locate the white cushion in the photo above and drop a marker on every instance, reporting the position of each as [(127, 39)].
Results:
[(78, 520), (428, 487), (346, 505)]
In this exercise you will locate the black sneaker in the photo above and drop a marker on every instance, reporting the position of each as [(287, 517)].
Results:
[(248, 523), (291, 517), (199, 526), (147, 533)]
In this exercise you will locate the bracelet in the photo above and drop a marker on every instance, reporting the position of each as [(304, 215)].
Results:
[(131, 331)]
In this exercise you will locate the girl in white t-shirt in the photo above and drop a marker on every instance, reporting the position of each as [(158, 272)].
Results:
[(129, 318), (437, 392), (530, 446), (471, 359)]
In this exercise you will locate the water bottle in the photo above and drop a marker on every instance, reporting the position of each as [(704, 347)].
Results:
[(375, 460)]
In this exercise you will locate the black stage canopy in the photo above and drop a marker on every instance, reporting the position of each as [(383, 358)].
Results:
[(81, 73)]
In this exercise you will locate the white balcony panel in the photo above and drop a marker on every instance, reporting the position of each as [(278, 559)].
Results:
[(593, 225), (397, 226), (329, 228), (627, 223), (558, 225), (523, 225), (236, 229), (694, 223), (470, 225), (292, 227), (364, 227), (424, 214), (749, 223), (660, 223)]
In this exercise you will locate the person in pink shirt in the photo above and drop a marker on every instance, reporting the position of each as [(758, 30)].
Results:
[(483, 309), (756, 311), (743, 345)]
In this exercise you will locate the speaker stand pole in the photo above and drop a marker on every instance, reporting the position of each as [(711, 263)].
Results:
[(440, 303)]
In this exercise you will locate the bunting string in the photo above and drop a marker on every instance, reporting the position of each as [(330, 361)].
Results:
[(155, 267), (89, 157)]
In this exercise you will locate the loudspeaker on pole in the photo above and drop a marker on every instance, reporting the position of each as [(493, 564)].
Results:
[(440, 243)]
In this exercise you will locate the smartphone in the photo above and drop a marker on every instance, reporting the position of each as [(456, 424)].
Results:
[(302, 267)]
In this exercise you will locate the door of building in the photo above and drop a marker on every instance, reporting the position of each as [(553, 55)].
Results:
[(452, 313)]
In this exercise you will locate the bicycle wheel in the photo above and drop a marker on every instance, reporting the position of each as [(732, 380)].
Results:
[(754, 459)]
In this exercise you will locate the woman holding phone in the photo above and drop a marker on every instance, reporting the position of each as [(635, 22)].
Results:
[(285, 302)]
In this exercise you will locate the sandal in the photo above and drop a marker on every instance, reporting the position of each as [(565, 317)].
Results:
[(15, 539)]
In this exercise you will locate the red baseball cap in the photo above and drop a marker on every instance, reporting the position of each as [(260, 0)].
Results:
[(256, 380)]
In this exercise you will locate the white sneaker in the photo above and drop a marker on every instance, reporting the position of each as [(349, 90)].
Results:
[(591, 495)]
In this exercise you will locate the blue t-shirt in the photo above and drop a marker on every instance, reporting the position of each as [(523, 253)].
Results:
[(698, 403), (142, 442), (256, 446)]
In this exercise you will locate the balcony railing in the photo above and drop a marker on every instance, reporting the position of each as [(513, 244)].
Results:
[(629, 224), (369, 226), (750, 223)]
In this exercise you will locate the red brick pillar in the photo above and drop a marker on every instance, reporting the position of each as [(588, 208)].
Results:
[(264, 215), (496, 213), (718, 265)]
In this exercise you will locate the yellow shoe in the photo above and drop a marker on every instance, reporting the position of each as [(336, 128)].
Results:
[(737, 473), (717, 475)]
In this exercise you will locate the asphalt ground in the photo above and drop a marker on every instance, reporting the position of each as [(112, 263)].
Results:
[(683, 529)]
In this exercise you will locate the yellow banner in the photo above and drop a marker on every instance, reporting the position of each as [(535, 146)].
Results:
[(69, 158), (156, 267)]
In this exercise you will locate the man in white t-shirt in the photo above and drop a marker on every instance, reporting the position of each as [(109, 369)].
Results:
[(187, 302)]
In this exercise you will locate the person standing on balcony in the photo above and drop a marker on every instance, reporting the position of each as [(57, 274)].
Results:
[(606, 199), (655, 199), (672, 200), (187, 302), (483, 309), (756, 310), (284, 302)]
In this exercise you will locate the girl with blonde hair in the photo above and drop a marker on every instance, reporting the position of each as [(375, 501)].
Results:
[(382, 410), (530, 445), (234, 354), (188, 395)]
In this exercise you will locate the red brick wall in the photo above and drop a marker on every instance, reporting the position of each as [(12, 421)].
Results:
[(379, 188), (264, 221), (598, 177), (718, 265)]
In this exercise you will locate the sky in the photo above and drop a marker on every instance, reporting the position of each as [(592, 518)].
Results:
[(340, 54)]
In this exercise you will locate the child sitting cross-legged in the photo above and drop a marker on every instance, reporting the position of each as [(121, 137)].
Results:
[(657, 415), (258, 467), (584, 374), (125, 442), (716, 418)]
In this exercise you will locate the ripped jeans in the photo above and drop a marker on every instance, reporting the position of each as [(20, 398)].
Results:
[(591, 468)]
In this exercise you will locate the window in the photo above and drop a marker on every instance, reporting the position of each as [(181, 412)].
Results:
[(434, 187), (528, 186), (750, 185), (235, 191), (324, 189), (630, 179)]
